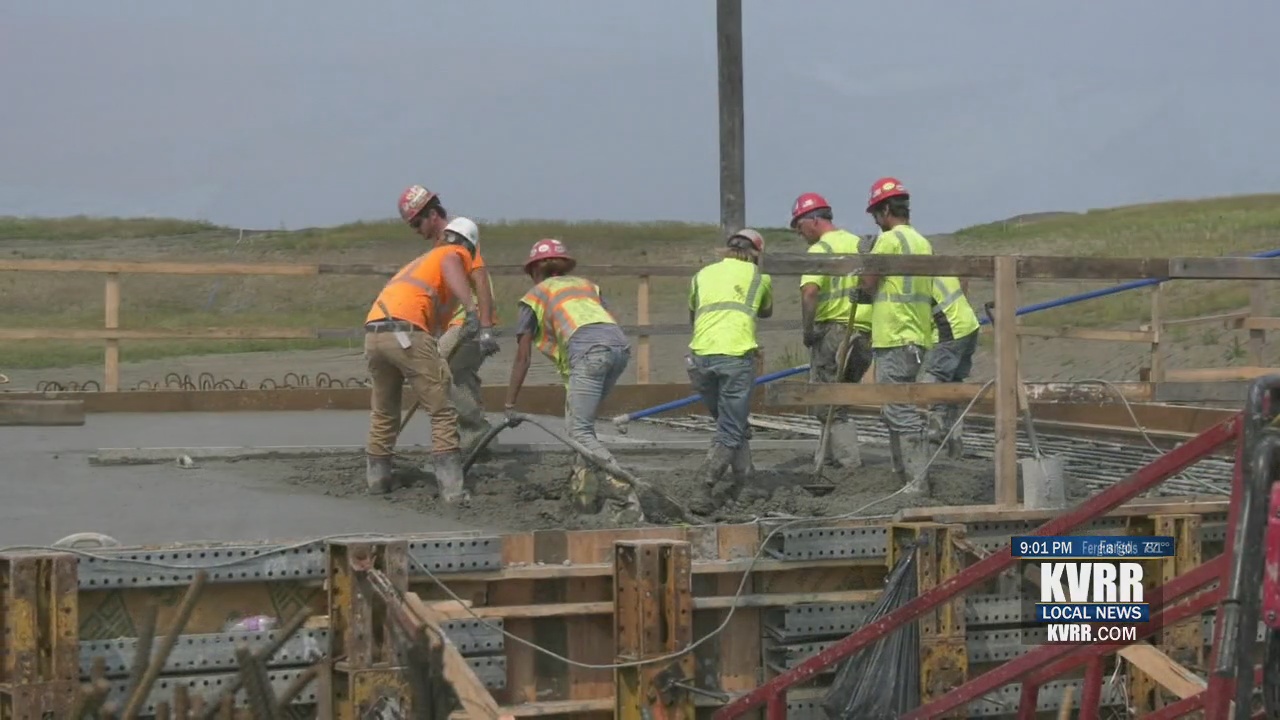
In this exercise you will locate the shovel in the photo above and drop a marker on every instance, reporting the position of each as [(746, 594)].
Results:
[(819, 485), (1043, 486)]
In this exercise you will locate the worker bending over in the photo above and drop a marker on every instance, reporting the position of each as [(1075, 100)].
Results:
[(950, 360), (901, 327), (566, 318), (466, 355), (725, 298), (826, 303), (400, 344)]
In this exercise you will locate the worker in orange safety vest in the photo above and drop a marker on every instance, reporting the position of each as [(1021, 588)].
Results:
[(401, 331)]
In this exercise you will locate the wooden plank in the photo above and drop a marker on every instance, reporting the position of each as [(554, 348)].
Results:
[(41, 413), (1071, 333), (1158, 371), (470, 691), (111, 312), (114, 334), (1008, 384), (798, 394), (642, 343), (521, 682), (1257, 324), (1229, 318), (1161, 668), (1222, 374), (590, 636), (132, 267), (738, 651), (1191, 505), (1224, 268), (552, 633)]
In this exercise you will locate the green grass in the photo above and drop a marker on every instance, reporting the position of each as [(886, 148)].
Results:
[(1235, 225)]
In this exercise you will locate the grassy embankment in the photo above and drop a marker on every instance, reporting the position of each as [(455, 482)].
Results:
[(1236, 225)]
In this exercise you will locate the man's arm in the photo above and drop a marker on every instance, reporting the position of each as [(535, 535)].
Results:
[(526, 326), (484, 297), (693, 299), (455, 279), (808, 306), (766, 298)]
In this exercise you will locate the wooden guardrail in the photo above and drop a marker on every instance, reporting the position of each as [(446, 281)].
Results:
[(111, 334)]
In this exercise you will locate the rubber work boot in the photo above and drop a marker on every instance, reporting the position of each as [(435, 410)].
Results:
[(623, 500), (955, 443), (584, 487), (844, 444), (895, 456), (916, 452), (705, 500), (449, 477), (377, 474)]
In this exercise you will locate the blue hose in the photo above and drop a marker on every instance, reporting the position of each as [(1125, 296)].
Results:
[(1033, 308)]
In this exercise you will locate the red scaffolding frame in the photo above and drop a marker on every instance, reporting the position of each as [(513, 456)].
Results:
[(1043, 663)]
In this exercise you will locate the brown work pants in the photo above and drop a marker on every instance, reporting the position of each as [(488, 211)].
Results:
[(428, 375)]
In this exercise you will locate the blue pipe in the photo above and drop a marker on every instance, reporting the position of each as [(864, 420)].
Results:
[(1033, 308)]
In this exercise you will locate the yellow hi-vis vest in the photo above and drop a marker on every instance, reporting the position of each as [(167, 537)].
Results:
[(902, 312), (724, 298), (953, 316), (561, 305), (835, 292)]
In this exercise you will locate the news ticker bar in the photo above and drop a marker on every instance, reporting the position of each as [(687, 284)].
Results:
[(1091, 547)]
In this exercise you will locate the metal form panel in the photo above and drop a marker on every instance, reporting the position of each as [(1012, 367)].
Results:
[(211, 686), (211, 652), (814, 621), (491, 669), (1001, 702), (134, 567), (828, 543)]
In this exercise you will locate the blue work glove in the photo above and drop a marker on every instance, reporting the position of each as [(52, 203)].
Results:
[(488, 342)]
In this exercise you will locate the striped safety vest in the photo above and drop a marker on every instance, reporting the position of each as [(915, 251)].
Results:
[(561, 305), (417, 294)]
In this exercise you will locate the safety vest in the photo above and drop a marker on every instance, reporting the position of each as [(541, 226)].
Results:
[(903, 305), (725, 298), (953, 316), (460, 315), (835, 293), (561, 305), (417, 294)]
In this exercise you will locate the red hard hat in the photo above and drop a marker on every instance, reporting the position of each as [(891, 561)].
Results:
[(756, 239), (808, 202), (413, 200), (546, 250), (885, 188)]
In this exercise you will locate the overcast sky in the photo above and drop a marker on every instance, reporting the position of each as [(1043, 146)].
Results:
[(262, 113)]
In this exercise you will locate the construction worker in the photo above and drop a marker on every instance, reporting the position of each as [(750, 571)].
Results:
[(400, 344), (566, 318), (901, 327), (826, 303), (725, 298), (466, 355), (955, 338)]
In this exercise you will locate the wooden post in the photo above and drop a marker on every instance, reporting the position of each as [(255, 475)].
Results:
[(1257, 309), (111, 360), (1006, 390), (1157, 330), (733, 206), (642, 342), (653, 617)]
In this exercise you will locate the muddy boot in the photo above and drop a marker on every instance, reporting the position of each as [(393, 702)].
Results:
[(377, 473), (623, 501), (718, 461), (740, 464), (584, 487), (955, 443), (449, 477), (916, 452), (844, 444)]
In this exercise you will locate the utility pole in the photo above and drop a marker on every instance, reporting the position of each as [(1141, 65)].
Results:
[(733, 201)]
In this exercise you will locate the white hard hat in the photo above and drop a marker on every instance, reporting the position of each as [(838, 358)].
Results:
[(466, 228)]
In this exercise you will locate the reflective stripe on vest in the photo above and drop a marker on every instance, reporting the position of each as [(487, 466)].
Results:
[(908, 295), (747, 305), (947, 298), (842, 286), (430, 317)]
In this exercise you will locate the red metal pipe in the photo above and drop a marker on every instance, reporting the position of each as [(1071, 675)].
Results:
[(777, 707), (1159, 470), (1191, 704), (1222, 690), (1091, 691), (1028, 701), (1014, 669)]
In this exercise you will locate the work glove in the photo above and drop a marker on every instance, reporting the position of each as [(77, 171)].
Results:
[(811, 337), (488, 342), (512, 417), (470, 324)]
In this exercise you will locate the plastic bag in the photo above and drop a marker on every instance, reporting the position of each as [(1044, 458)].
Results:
[(882, 681)]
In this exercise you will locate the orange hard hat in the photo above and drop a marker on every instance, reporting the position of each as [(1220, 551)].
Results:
[(413, 200), (807, 203), (885, 188), (548, 249)]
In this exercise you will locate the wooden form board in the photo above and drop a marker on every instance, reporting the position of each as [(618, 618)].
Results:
[(555, 590)]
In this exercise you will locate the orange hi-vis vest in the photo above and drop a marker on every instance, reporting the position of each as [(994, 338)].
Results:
[(460, 314), (561, 305), (417, 294)]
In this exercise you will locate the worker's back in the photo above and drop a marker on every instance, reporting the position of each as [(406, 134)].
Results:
[(953, 316), (902, 310), (418, 293), (835, 292), (725, 298)]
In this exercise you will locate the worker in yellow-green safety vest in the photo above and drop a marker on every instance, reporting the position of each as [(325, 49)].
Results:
[(825, 304), (725, 298), (950, 360), (566, 318), (901, 328)]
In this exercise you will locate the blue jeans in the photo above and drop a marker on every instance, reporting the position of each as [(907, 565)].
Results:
[(725, 382), (591, 378)]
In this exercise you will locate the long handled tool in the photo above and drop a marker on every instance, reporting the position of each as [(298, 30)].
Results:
[(1042, 475), (453, 349), (819, 485)]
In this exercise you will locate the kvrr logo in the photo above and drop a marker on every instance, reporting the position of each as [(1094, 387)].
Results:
[(1091, 582)]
